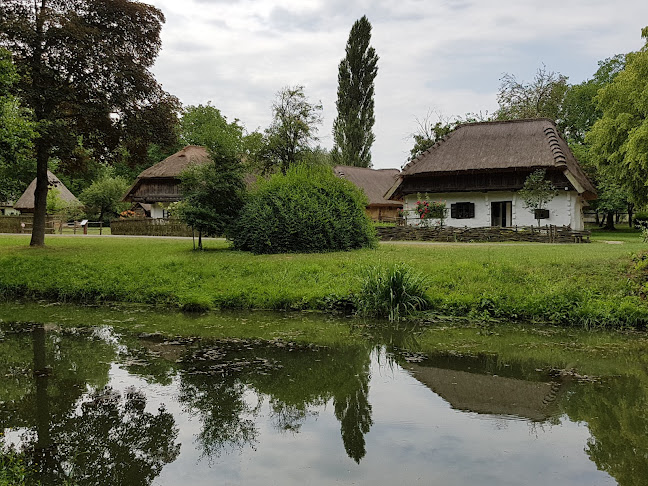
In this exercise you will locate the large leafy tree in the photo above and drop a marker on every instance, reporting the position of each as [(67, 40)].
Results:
[(290, 136), (353, 127), (539, 98), (579, 113), (619, 139), (84, 72)]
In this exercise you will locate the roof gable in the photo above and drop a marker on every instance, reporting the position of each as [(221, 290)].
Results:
[(502, 145), (374, 182)]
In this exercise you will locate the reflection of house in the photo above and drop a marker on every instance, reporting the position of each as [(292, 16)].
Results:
[(159, 185), (489, 394), (374, 183), (479, 168), (26, 202)]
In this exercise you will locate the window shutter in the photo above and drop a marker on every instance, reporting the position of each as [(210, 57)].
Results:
[(453, 211), (471, 210)]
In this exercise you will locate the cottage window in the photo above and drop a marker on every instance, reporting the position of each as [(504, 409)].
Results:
[(462, 210)]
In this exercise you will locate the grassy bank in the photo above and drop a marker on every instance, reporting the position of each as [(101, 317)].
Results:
[(586, 285)]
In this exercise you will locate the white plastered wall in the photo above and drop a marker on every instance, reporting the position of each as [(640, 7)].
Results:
[(566, 209)]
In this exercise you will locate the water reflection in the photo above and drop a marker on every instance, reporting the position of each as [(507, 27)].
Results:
[(73, 427), (60, 402)]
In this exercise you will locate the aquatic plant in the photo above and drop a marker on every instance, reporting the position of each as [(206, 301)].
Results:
[(394, 292)]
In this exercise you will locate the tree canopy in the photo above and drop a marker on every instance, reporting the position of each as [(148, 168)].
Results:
[(353, 126), (295, 122), (540, 98), (619, 139), (84, 70)]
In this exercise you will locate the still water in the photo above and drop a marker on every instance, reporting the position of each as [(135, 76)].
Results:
[(101, 405)]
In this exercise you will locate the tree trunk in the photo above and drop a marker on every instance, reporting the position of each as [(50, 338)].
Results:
[(630, 213), (42, 143), (598, 220), (609, 221), (40, 195), (200, 240)]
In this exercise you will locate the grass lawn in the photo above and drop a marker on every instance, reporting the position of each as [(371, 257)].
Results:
[(586, 284)]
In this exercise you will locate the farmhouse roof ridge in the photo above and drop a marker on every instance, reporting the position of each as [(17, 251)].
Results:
[(502, 145)]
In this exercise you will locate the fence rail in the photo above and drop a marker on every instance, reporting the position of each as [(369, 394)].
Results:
[(149, 227)]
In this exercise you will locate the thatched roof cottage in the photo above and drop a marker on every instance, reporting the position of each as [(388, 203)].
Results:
[(479, 168), (374, 183), (26, 202), (159, 185)]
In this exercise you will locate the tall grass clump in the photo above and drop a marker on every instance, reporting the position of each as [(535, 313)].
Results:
[(395, 292), (306, 210)]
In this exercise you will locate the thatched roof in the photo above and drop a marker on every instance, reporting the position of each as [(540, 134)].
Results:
[(160, 182), (173, 165), (489, 394), (501, 145), (375, 183), (26, 201)]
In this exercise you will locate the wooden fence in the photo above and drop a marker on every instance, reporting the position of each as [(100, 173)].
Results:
[(149, 227), (24, 222), (545, 234)]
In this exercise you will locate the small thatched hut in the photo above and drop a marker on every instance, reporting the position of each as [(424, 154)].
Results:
[(375, 183), (478, 169), (159, 185), (26, 202)]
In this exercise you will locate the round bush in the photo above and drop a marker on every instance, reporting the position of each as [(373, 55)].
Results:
[(307, 210)]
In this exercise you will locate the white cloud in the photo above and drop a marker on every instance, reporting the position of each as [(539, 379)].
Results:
[(442, 54)]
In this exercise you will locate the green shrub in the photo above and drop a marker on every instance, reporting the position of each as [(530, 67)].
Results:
[(306, 210), (394, 292)]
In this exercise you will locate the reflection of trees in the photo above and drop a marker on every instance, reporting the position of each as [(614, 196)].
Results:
[(353, 410), (222, 409), (214, 381), (96, 438), (617, 417), (114, 440), (310, 379)]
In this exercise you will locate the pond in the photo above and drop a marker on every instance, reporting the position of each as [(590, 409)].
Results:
[(106, 403)]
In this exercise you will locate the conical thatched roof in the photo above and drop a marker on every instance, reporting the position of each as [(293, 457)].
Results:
[(501, 145), (375, 183), (26, 201)]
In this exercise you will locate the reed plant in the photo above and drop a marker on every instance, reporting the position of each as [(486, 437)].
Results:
[(395, 291)]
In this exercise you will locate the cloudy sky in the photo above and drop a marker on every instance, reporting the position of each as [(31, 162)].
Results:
[(444, 56)]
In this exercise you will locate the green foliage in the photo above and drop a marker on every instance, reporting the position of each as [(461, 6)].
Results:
[(17, 133), (14, 470), (537, 191), (204, 125), (293, 129), (306, 210), (395, 292), (579, 108), (103, 198), (353, 126), (212, 196), (619, 139), (543, 97)]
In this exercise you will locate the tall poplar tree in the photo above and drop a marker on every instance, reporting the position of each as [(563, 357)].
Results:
[(353, 127)]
